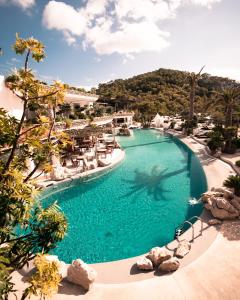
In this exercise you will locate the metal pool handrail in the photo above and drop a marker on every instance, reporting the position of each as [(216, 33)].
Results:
[(179, 231)]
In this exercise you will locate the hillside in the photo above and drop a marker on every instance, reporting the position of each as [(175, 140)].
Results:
[(164, 90)]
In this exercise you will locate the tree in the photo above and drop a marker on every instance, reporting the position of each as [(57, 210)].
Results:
[(65, 109), (230, 99), (193, 79), (41, 228), (78, 111)]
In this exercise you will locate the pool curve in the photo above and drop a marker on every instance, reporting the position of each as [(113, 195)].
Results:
[(134, 207)]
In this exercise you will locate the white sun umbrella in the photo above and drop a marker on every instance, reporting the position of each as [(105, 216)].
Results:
[(157, 121)]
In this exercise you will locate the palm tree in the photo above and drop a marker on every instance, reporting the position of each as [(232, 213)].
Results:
[(230, 99), (193, 79)]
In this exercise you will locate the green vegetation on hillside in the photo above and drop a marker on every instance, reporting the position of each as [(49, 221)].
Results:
[(167, 92)]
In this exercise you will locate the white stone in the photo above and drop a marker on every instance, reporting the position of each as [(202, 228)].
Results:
[(82, 274), (158, 255), (144, 264), (170, 265), (219, 201)]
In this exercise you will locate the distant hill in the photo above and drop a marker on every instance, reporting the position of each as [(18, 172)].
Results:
[(164, 90)]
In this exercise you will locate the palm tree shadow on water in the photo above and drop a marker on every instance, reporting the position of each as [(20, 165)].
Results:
[(152, 183), (149, 143)]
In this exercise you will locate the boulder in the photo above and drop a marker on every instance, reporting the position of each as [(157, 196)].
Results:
[(223, 214), (82, 274), (214, 222), (144, 264), (158, 255), (208, 206), (182, 249), (207, 196), (221, 202), (235, 203), (220, 207), (227, 193), (169, 265)]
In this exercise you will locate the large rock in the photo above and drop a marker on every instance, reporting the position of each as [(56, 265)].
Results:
[(144, 264), (208, 196), (182, 249), (221, 203), (235, 203), (157, 255), (82, 274), (226, 193), (169, 265), (223, 214)]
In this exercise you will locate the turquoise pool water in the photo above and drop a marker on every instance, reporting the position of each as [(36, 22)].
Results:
[(136, 206)]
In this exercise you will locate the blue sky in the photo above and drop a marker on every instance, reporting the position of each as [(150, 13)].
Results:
[(94, 41)]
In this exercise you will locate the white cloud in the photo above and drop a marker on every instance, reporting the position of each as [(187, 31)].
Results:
[(63, 17), (207, 3), (127, 58), (116, 26), (24, 4), (69, 38), (97, 59), (15, 60), (225, 72), (139, 9)]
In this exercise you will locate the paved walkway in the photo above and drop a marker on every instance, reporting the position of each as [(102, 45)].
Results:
[(214, 274)]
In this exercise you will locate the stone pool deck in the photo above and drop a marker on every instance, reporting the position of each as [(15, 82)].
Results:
[(210, 271)]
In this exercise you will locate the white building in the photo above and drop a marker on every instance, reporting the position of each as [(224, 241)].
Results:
[(81, 99), (14, 105), (9, 101), (117, 118)]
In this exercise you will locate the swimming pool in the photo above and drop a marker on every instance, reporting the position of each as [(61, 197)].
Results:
[(136, 206)]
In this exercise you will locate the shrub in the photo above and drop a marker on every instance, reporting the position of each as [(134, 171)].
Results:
[(229, 134), (172, 125), (233, 181), (237, 163), (236, 142), (215, 142), (45, 280), (68, 123)]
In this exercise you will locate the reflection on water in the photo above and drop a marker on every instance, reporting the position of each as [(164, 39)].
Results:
[(152, 183)]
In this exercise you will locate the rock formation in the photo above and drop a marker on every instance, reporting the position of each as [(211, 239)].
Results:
[(214, 222), (82, 274), (144, 264), (222, 203), (169, 265), (157, 255)]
